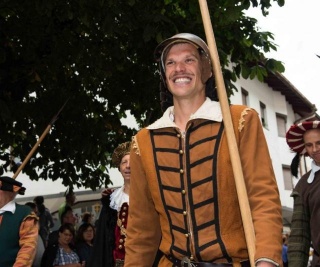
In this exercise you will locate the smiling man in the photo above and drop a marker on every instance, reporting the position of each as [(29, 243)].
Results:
[(183, 196)]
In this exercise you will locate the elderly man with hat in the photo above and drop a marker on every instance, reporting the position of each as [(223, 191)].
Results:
[(18, 227), (183, 194), (109, 245), (304, 139)]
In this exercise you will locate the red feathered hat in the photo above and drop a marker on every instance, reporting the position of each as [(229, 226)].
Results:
[(295, 134)]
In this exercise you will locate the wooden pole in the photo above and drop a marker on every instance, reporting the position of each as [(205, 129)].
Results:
[(232, 144), (26, 160)]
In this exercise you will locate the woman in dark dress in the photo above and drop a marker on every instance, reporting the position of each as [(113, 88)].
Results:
[(84, 241), (109, 245)]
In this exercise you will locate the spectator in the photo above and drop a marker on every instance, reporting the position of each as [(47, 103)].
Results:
[(66, 217), (45, 219), (33, 207), (70, 199), (285, 250), (84, 241), (86, 218), (18, 226), (62, 252)]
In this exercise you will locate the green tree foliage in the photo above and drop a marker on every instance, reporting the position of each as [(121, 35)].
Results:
[(98, 54)]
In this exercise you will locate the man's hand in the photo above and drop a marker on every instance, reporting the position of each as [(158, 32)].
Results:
[(107, 192)]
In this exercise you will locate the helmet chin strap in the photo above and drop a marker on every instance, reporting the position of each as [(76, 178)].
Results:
[(206, 71)]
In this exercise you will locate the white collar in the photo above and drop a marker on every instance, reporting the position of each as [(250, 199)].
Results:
[(314, 169), (10, 206), (117, 198), (209, 110)]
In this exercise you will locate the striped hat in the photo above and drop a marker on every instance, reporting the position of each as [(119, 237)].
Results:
[(295, 134)]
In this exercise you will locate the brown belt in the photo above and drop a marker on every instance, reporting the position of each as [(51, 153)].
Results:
[(118, 263), (186, 263)]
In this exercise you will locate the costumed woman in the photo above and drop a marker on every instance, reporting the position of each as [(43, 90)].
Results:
[(109, 245)]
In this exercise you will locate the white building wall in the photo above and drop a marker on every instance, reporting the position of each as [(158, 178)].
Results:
[(275, 104)]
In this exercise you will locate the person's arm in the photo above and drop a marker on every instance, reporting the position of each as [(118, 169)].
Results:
[(106, 192), (262, 190), (28, 232), (143, 228), (300, 238), (50, 219)]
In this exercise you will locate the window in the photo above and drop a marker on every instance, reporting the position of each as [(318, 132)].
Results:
[(244, 96), (263, 114), (287, 177), (281, 125)]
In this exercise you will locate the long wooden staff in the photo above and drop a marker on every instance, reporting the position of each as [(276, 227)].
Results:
[(55, 117), (232, 144)]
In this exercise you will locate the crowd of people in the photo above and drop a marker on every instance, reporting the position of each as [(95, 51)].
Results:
[(180, 187), (71, 244), (75, 243)]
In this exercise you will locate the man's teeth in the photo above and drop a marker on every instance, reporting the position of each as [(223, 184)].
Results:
[(182, 80)]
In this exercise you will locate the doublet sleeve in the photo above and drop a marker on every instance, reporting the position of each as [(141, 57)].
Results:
[(28, 232), (300, 238), (261, 185), (142, 238)]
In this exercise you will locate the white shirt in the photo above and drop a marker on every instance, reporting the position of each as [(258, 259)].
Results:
[(209, 110), (10, 206), (314, 169), (117, 198)]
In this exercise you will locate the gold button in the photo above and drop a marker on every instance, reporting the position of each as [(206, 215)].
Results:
[(183, 191), (120, 246), (123, 214), (124, 208), (121, 240), (123, 219), (187, 235), (184, 213), (181, 171), (181, 151), (191, 258), (178, 135)]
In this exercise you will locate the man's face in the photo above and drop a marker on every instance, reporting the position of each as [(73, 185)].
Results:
[(70, 218), (183, 71), (312, 144), (125, 167), (71, 199), (6, 197)]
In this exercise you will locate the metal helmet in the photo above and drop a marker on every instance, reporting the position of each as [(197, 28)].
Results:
[(162, 49)]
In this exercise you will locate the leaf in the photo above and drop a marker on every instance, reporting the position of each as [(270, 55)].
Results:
[(99, 55)]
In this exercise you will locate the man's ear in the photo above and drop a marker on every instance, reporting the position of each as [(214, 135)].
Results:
[(206, 71), (206, 74)]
